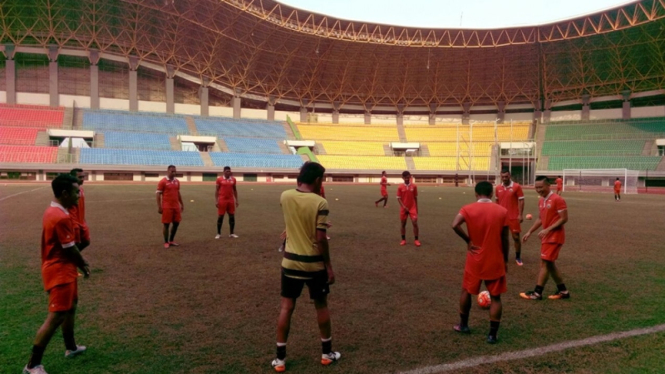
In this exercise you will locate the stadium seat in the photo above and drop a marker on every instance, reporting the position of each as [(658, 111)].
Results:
[(106, 156), (18, 135), (247, 160), (349, 132), (362, 162), (241, 128), (28, 154), (450, 163), (132, 140), (593, 148), (604, 162), (253, 145), (31, 116), (147, 123), (353, 148)]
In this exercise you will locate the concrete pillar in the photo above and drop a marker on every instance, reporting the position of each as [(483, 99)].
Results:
[(432, 113), (203, 97), (133, 84), (93, 56), (335, 114), (400, 114), (54, 98), (170, 98), (501, 114), (303, 110), (270, 107), (538, 111), (547, 114), (10, 73), (626, 109), (368, 118), (586, 113), (466, 113), (236, 106)]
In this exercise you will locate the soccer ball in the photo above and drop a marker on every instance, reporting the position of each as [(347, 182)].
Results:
[(529, 216), (484, 300)]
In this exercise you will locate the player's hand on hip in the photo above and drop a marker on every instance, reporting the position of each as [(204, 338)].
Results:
[(216, 205), (160, 211), (86, 271), (472, 248), (182, 208), (520, 218), (331, 275), (237, 203)]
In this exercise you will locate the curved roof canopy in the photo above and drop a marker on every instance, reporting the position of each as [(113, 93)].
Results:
[(266, 51)]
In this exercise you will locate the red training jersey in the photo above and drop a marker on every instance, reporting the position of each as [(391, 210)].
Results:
[(509, 197), (408, 194), (57, 235), (549, 209), (559, 184), (617, 186), (485, 222), (226, 188), (170, 190), (77, 212), (384, 181)]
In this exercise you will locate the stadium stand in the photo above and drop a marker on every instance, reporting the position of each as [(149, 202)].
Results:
[(593, 148), (450, 148), (18, 135), (450, 163), (139, 157), (349, 132), (477, 133), (131, 140), (241, 128), (630, 129), (362, 162), (256, 160), (146, 123), (604, 162), (253, 145), (31, 116), (353, 148), (28, 154)]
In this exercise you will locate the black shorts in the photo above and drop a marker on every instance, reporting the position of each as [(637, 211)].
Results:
[(318, 286)]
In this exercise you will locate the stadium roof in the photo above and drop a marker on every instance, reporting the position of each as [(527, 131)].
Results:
[(468, 14), (262, 51)]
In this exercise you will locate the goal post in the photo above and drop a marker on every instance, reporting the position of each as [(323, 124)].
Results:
[(600, 180)]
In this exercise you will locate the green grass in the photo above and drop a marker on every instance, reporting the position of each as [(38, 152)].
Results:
[(210, 306)]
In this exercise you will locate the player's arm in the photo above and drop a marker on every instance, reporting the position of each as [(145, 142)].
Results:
[(322, 241), (563, 218), (75, 255), (536, 224), (159, 202), (415, 196), (182, 206), (64, 232), (235, 194), (520, 207), (216, 193), (457, 227), (505, 244), (399, 199)]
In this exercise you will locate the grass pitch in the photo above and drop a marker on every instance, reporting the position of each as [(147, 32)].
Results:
[(210, 306)]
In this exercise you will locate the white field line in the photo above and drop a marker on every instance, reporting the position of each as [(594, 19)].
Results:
[(113, 201), (519, 355), (21, 193)]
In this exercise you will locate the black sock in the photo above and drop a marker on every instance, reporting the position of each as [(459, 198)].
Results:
[(403, 237), (539, 290), (561, 287), (70, 343), (220, 220), (281, 352), (464, 320), (416, 237), (326, 346), (232, 223), (36, 357), (518, 255), (494, 328)]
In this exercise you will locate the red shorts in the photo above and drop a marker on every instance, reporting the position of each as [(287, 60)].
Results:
[(616, 192), (550, 251), (495, 287), (384, 193), (514, 225), (82, 233), (63, 297), (413, 213), (226, 206), (171, 215)]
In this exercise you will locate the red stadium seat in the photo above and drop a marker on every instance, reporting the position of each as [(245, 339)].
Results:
[(24, 154), (18, 135), (31, 116)]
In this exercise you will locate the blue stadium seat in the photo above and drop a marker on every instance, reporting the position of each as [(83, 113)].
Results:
[(256, 160), (108, 120), (253, 145), (240, 128), (106, 156), (133, 140)]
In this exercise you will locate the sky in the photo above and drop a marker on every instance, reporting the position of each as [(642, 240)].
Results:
[(472, 14)]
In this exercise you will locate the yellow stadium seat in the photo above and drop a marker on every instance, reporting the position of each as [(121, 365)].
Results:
[(349, 132), (353, 148), (362, 162)]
